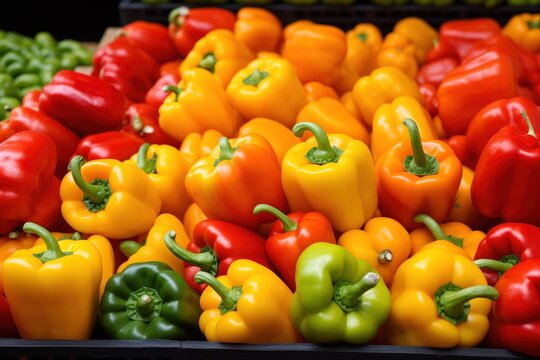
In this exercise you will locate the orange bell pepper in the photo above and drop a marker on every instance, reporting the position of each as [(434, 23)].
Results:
[(363, 44), (398, 41), (346, 79), (9, 244), (419, 33), (463, 210), (192, 217), (315, 91), (399, 59), (196, 145), (524, 29), (348, 101), (258, 29)]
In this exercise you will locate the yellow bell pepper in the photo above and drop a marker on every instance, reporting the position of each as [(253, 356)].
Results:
[(166, 167), (464, 210), (192, 217), (347, 77), (388, 129), (439, 299), (418, 32), (53, 289), (154, 248), (248, 305), (381, 87), (333, 174), (334, 118), (220, 53), (196, 145), (398, 41), (383, 242), (363, 44), (348, 101), (109, 198), (14, 241), (524, 29), (399, 59), (279, 137), (256, 91), (199, 103)]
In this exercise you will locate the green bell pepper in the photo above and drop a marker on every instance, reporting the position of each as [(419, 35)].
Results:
[(45, 40), (338, 297), (150, 301)]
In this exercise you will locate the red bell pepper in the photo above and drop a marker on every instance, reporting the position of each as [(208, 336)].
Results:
[(460, 145), (170, 67), (8, 329), (214, 246), (128, 68), (505, 184), (153, 38), (428, 92), (290, 235), (22, 119), (508, 243), (187, 26), (434, 72), (117, 145), (84, 104), (157, 94), (142, 120), (488, 121), (31, 100)]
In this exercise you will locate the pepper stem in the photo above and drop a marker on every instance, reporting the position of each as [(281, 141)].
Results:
[(206, 259), (174, 89), (13, 235), (288, 223), (420, 163), (128, 248), (96, 193), (229, 297), (436, 230), (255, 77), (145, 305), (348, 295), (453, 302), (529, 124), (176, 16), (208, 62), (386, 256), (499, 266), (533, 24), (53, 251), (137, 124), (226, 151), (362, 37), (143, 163), (323, 153)]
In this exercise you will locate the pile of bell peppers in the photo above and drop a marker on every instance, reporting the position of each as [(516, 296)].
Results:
[(227, 179)]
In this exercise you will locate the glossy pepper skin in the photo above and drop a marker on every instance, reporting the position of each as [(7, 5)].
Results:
[(249, 305), (118, 145), (315, 91), (464, 210), (509, 243), (150, 301), (156, 95), (239, 175), (418, 32), (395, 57), (14, 241), (338, 297), (153, 38), (31, 100), (214, 246), (450, 298), (142, 120), (57, 283), (524, 29), (192, 217), (383, 243), (434, 72), (333, 161), (109, 198), (220, 53), (197, 145), (198, 103), (187, 26), (363, 44), (504, 185), (84, 104), (255, 90), (258, 28)]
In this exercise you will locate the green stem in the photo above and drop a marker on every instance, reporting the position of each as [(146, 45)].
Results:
[(206, 259), (137, 124), (453, 303), (533, 24), (529, 124), (145, 305), (177, 16), (420, 163), (174, 89), (128, 247), (348, 295), (499, 266), (208, 62), (53, 248), (255, 77), (229, 297), (362, 37), (323, 153), (226, 151), (386, 256), (288, 223), (13, 235), (143, 163), (97, 194), (436, 230)]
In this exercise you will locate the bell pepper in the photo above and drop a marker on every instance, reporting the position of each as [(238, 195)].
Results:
[(382, 87), (278, 136), (186, 109), (434, 72), (220, 53), (31, 100), (335, 162), (346, 79), (524, 29), (27, 163), (316, 51), (338, 297), (153, 38), (142, 120), (383, 243), (197, 145), (192, 217), (109, 198), (394, 40), (150, 301), (290, 235), (334, 118), (214, 246), (348, 101), (170, 68), (84, 104), (255, 90), (450, 298), (428, 93), (393, 57), (239, 175), (489, 120), (505, 181), (157, 94), (388, 129), (36, 279), (463, 210), (425, 181), (363, 44), (154, 248), (460, 145), (258, 28), (8, 329), (14, 241), (118, 145), (22, 118), (187, 26), (418, 32), (250, 305), (509, 243), (315, 91)]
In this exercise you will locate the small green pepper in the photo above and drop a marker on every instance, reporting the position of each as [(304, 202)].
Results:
[(84, 56), (68, 61), (26, 80), (11, 58), (45, 40), (69, 45), (7, 46), (46, 76), (9, 103), (16, 69)]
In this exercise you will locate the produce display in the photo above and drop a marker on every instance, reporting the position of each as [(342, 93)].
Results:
[(228, 179)]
